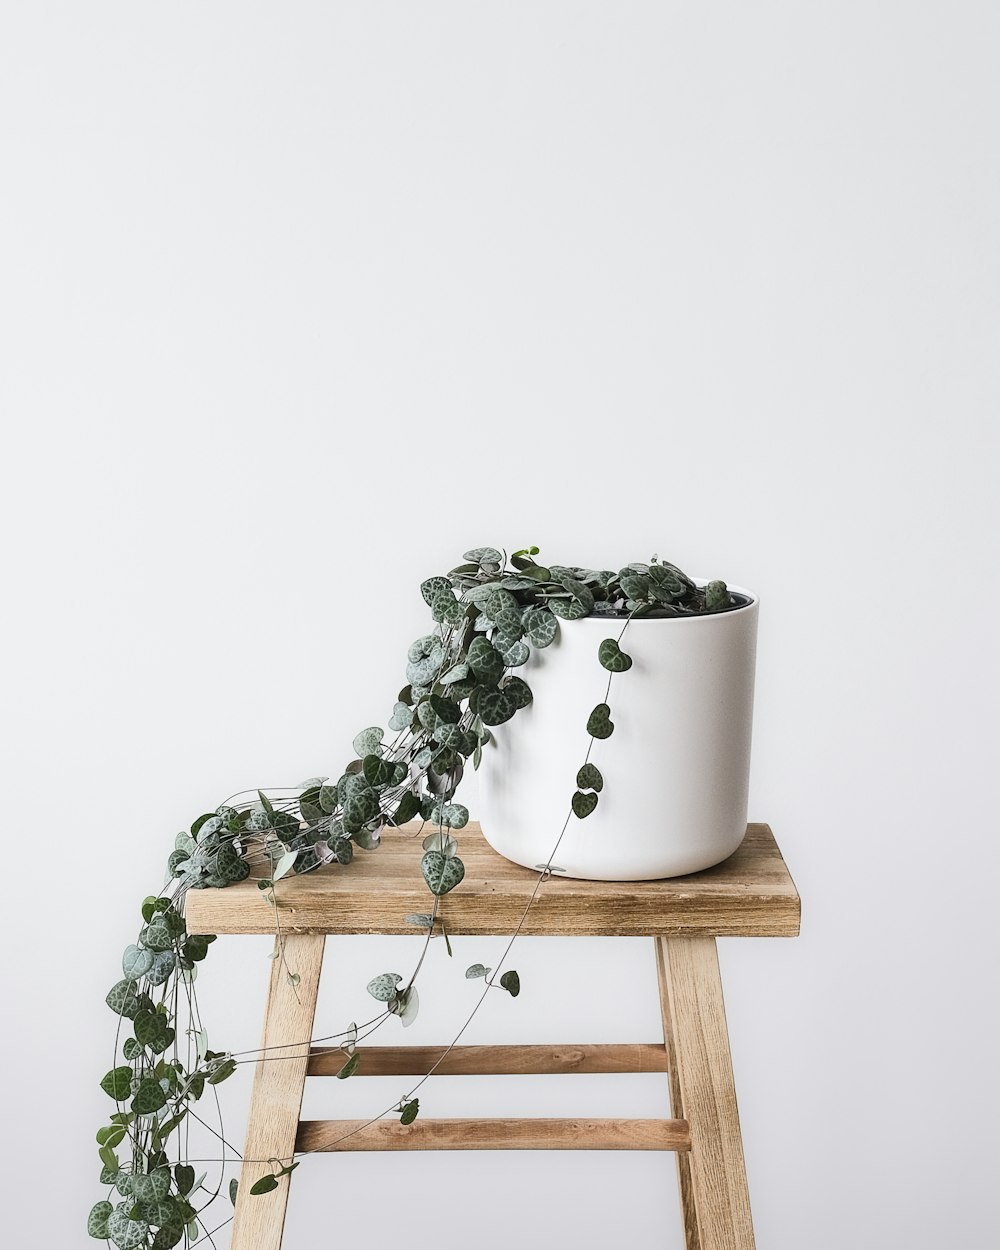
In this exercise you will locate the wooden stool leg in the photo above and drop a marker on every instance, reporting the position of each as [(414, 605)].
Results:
[(714, 1197), (278, 1083)]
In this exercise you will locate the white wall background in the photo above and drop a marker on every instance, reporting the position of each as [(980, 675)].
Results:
[(301, 300)]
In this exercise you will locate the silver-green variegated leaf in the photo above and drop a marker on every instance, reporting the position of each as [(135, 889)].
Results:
[(149, 1097), (582, 594), (422, 920), (434, 586), (126, 1233), (599, 723), (568, 609), (448, 611), (485, 661), (136, 962), (635, 586), (484, 555), (583, 804), (441, 874), (494, 707), (117, 1083), (97, 1220), (328, 797), (476, 970), (458, 672), (123, 999), (426, 656), (161, 968), (368, 742), (540, 626), (512, 652), (519, 690), (612, 657), (589, 777), (152, 1186), (401, 718), (383, 987)]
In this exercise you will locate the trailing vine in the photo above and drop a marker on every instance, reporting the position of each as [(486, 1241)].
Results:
[(488, 614)]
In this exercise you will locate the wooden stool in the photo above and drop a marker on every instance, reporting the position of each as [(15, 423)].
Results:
[(750, 895)]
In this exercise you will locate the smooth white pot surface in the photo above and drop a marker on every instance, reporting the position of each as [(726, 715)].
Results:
[(676, 769)]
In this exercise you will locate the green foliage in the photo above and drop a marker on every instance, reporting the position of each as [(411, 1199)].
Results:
[(383, 987), (589, 778), (583, 804), (612, 657), (440, 872), (511, 982), (117, 1084), (599, 723), (487, 619)]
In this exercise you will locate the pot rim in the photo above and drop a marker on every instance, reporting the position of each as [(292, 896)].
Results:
[(695, 616)]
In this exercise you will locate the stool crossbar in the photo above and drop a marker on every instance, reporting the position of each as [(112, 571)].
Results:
[(750, 895)]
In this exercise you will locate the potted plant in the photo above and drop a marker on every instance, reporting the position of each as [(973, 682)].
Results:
[(667, 796), (671, 786)]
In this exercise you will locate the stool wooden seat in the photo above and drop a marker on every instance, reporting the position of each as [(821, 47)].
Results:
[(751, 894)]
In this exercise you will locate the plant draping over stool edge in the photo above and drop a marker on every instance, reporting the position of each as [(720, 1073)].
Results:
[(488, 613)]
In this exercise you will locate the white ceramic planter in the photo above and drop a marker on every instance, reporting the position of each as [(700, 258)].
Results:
[(676, 769)]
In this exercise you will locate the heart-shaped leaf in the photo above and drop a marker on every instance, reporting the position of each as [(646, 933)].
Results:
[(162, 966), (484, 555), (368, 741), (97, 1220), (512, 652), (124, 999), (184, 1175), (484, 661), (589, 778), (599, 723), (149, 1097), (409, 1111), (540, 626), (511, 982), (117, 1084), (152, 1186), (383, 987), (126, 1233), (612, 657), (476, 970), (432, 587), (495, 706), (519, 690), (441, 874), (265, 1185), (583, 804)]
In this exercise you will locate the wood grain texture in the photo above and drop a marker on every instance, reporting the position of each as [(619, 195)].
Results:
[(751, 894), (688, 1216), (494, 1134), (492, 1060), (276, 1102), (714, 1197)]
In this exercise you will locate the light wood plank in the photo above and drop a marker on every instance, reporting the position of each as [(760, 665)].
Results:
[(276, 1102), (494, 1134), (691, 1239), (714, 1195), (492, 1060), (750, 895)]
